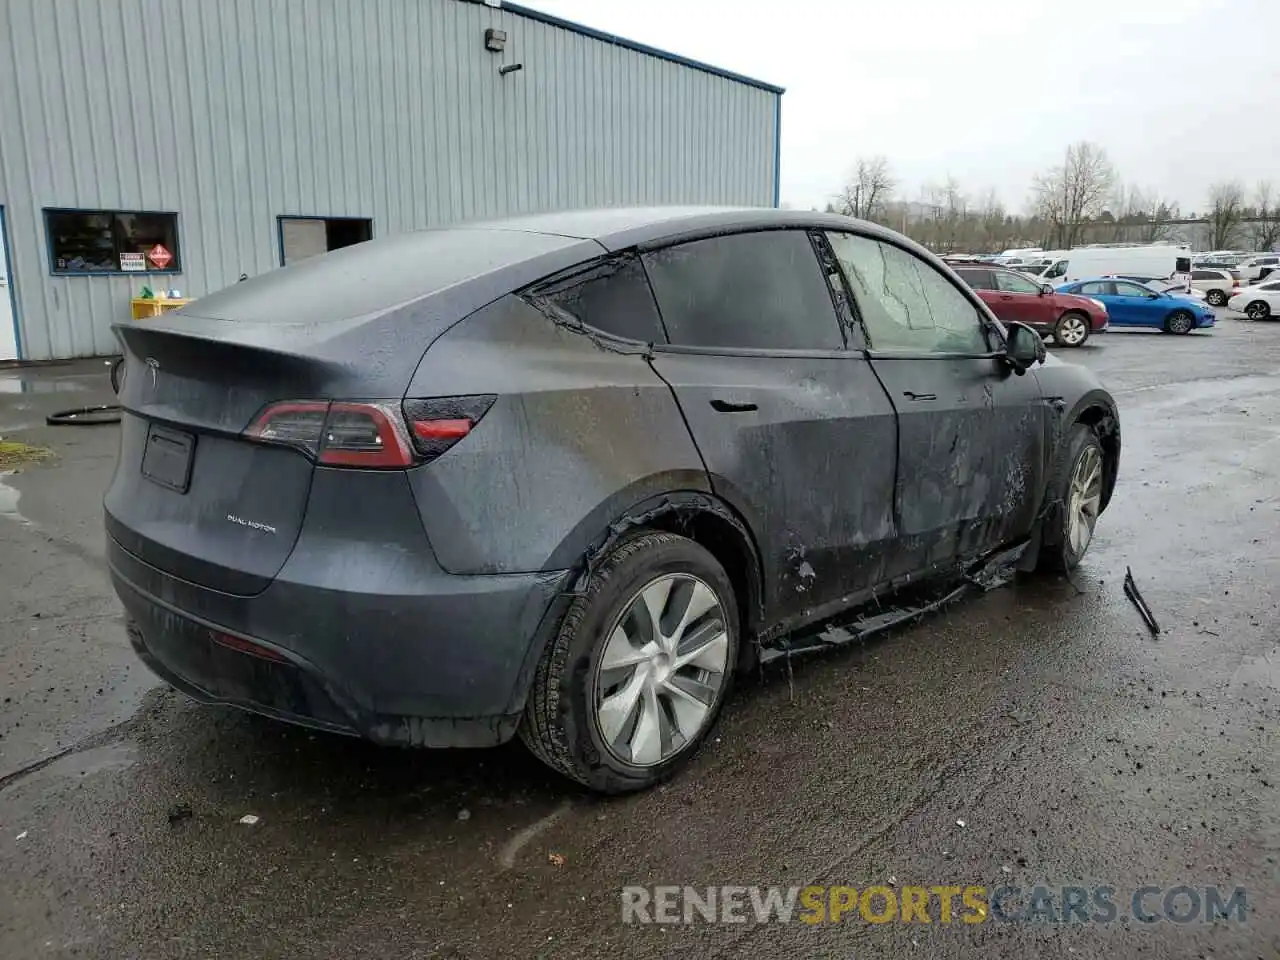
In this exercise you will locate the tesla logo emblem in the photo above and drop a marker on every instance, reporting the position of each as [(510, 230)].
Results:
[(154, 364)]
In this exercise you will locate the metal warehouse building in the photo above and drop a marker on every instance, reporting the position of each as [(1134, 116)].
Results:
[(179, 144)]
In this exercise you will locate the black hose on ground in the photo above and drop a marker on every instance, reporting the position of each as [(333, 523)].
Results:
[(85, 416), (92, 416)]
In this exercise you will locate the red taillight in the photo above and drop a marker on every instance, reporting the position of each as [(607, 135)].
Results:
[(441, 429), (337, 434)]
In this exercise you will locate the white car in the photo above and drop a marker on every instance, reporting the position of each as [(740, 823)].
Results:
[(1217, 284), (1259, 267), (1259, 302)]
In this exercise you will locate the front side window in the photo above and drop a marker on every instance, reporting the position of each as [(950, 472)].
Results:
[(762, 290), (1012, 283), (612, 296), (904, 302), (111, 241)]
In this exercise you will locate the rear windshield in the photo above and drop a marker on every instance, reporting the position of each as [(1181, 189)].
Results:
[(370, 277)]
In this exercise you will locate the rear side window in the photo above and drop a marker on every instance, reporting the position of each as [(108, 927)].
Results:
[(1097, 288), (978, 279), (1270, 286), (904, 302), (612, 296), (760, 290), (1205, 275)]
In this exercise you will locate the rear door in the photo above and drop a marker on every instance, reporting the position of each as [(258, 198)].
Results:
[(795, 430), (972, 437)]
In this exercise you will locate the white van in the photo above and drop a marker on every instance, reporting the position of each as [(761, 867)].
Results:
[(1162, 262)]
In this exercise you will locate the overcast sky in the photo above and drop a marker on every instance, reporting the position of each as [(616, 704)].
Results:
[(1179, 92)]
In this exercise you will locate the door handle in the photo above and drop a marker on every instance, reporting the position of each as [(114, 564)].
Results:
[(919, 396), (733, 406), (1006, 296)]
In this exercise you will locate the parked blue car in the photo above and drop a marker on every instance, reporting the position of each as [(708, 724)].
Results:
[(1131, 304)]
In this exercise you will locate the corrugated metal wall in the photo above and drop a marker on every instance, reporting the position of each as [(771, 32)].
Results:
[(232, 113)]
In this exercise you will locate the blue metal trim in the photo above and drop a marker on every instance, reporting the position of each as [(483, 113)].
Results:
[(48, 244), (540, 17), (777, 152), (13, 291)]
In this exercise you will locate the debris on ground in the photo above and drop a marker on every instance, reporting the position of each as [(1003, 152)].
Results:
[(21, 836), (1131, 591), (249, 819), (960, 824), (464, 814), (556, 859), (13, 453), (180, 811)]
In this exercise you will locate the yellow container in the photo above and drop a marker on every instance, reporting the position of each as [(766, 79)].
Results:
[(143, 308)]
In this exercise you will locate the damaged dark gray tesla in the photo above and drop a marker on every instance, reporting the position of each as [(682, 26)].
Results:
[(564, 476)]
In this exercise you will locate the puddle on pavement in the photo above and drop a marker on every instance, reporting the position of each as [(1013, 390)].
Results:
[(8, 495), (84, 763), (42, 385)]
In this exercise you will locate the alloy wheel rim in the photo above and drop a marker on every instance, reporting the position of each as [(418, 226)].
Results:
[(1084, 501), (1073, 330), (1256, 311), (661, 671), (1179, 322)]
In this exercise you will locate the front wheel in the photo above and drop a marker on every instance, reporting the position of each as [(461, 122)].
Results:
[(1072, 330), (1258, 310), (1180, 321), (1216, 298), (1075, 485), (637, 673)]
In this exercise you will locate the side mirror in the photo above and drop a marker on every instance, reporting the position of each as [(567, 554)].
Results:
[(1154, 296), (1023, 347), (1046, 288)]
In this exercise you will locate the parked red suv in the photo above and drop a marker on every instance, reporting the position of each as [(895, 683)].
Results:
[(1015, 297)]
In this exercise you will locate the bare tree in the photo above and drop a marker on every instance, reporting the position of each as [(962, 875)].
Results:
[(869, 189), (1226, 203), (1067, 196), (1265, 228)]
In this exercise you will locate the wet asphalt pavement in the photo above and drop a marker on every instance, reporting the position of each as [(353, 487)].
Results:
[(1075, 748)]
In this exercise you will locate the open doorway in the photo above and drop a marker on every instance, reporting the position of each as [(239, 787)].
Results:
[(8, 303), (302, 237)]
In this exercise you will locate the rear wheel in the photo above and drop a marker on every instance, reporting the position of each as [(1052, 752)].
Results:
[(1258, 310), (1076, 487), (1216, 298), (1180, 321), (1072, 329), (637, 673)]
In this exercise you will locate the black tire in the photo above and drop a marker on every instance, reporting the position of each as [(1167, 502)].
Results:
[(1056, 551), (1215, 298), (1258, 310), (559, 724), (1180, 321), (1071, 330)]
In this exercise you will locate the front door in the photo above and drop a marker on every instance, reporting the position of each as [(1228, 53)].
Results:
[(1023, 301), (8, 306), (796, 431), (972, 437)]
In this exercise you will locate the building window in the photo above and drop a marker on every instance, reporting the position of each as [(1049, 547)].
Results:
[(112, 241), (302, 237)]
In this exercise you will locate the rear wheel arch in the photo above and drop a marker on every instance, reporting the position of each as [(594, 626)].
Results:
[(713, 524)]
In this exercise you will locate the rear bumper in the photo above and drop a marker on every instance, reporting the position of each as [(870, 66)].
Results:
[(445, 665)]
